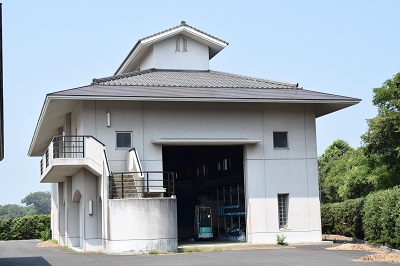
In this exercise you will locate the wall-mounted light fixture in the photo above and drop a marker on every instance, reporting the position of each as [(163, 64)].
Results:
[(108, 119), (90, 207)]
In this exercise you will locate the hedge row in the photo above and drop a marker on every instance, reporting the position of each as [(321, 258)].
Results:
[(375, 218), (28, 227), (343, 218)]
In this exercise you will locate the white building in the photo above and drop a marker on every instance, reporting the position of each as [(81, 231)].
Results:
[(244, 146)]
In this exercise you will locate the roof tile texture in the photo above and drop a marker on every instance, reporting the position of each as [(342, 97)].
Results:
[(190, 79)]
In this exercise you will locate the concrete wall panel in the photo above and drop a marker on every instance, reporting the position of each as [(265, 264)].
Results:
[(150, 223)]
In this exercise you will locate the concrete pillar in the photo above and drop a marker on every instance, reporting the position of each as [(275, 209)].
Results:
[(55, 228), (67, 129), (61, 213)]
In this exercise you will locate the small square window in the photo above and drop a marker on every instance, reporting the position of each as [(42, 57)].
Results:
[(280, 140), (124, 139)]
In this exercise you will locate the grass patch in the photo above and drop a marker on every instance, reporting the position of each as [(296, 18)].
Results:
[(156, 252), (221, 248), (190, 250), (67, 248), (55, 241)]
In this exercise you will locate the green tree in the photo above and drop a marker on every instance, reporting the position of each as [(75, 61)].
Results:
[(382, 139), (41, 201), (330, 169), (345, 173), (358, 178), (11, 211)]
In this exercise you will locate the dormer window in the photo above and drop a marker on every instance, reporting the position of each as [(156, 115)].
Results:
[(178, 45), (184, 41)]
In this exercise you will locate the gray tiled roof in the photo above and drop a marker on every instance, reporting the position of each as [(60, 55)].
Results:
[(190, 79), (203, 86), (324, 103)]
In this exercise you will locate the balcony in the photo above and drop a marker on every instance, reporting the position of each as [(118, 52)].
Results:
[(66, 155)]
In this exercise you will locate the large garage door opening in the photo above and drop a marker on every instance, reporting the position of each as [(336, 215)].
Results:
[(209, 189)]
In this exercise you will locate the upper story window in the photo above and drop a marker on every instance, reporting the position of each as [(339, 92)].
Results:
[(178, 45), (280, 140), (178, 42), (184, 42), (124, 139)]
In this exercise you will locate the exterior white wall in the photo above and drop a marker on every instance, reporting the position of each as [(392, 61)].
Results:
[(293, 171), (197, 120), (163, 55), (125, 116), (142, 225), (148, 60), (76, 119), (268, 171)]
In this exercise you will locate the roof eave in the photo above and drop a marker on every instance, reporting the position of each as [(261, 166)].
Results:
[(351, 101), (38, 125)]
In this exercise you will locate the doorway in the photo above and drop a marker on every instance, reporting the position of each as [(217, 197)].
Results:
[(203, 173)]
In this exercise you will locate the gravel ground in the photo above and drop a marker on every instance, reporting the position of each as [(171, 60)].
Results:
[(381, 254)]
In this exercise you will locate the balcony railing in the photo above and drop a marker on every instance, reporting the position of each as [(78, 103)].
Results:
[(69, 147), (66, 147), (141, 184)]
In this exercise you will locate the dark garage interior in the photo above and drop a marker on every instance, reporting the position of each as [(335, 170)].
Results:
[(209, 177)]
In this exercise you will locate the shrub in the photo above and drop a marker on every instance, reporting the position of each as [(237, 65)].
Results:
[(29, 227), (375, 218), (45, 235), (343, 218), (5, 228), (280, 240), (381, 217)]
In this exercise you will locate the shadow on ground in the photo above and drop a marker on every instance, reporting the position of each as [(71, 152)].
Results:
[(24, 261)]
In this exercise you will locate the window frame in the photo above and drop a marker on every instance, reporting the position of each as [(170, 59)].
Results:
[(274, 140), (283, 210), (184, 44), (116, 140), (178, 44)]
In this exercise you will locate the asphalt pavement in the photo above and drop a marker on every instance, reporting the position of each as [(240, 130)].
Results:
[(27, 252)]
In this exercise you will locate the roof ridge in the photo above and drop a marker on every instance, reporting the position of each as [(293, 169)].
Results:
[(183, 24), (123, 75)]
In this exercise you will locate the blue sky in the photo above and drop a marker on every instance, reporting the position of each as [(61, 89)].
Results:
[(339, 47)]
